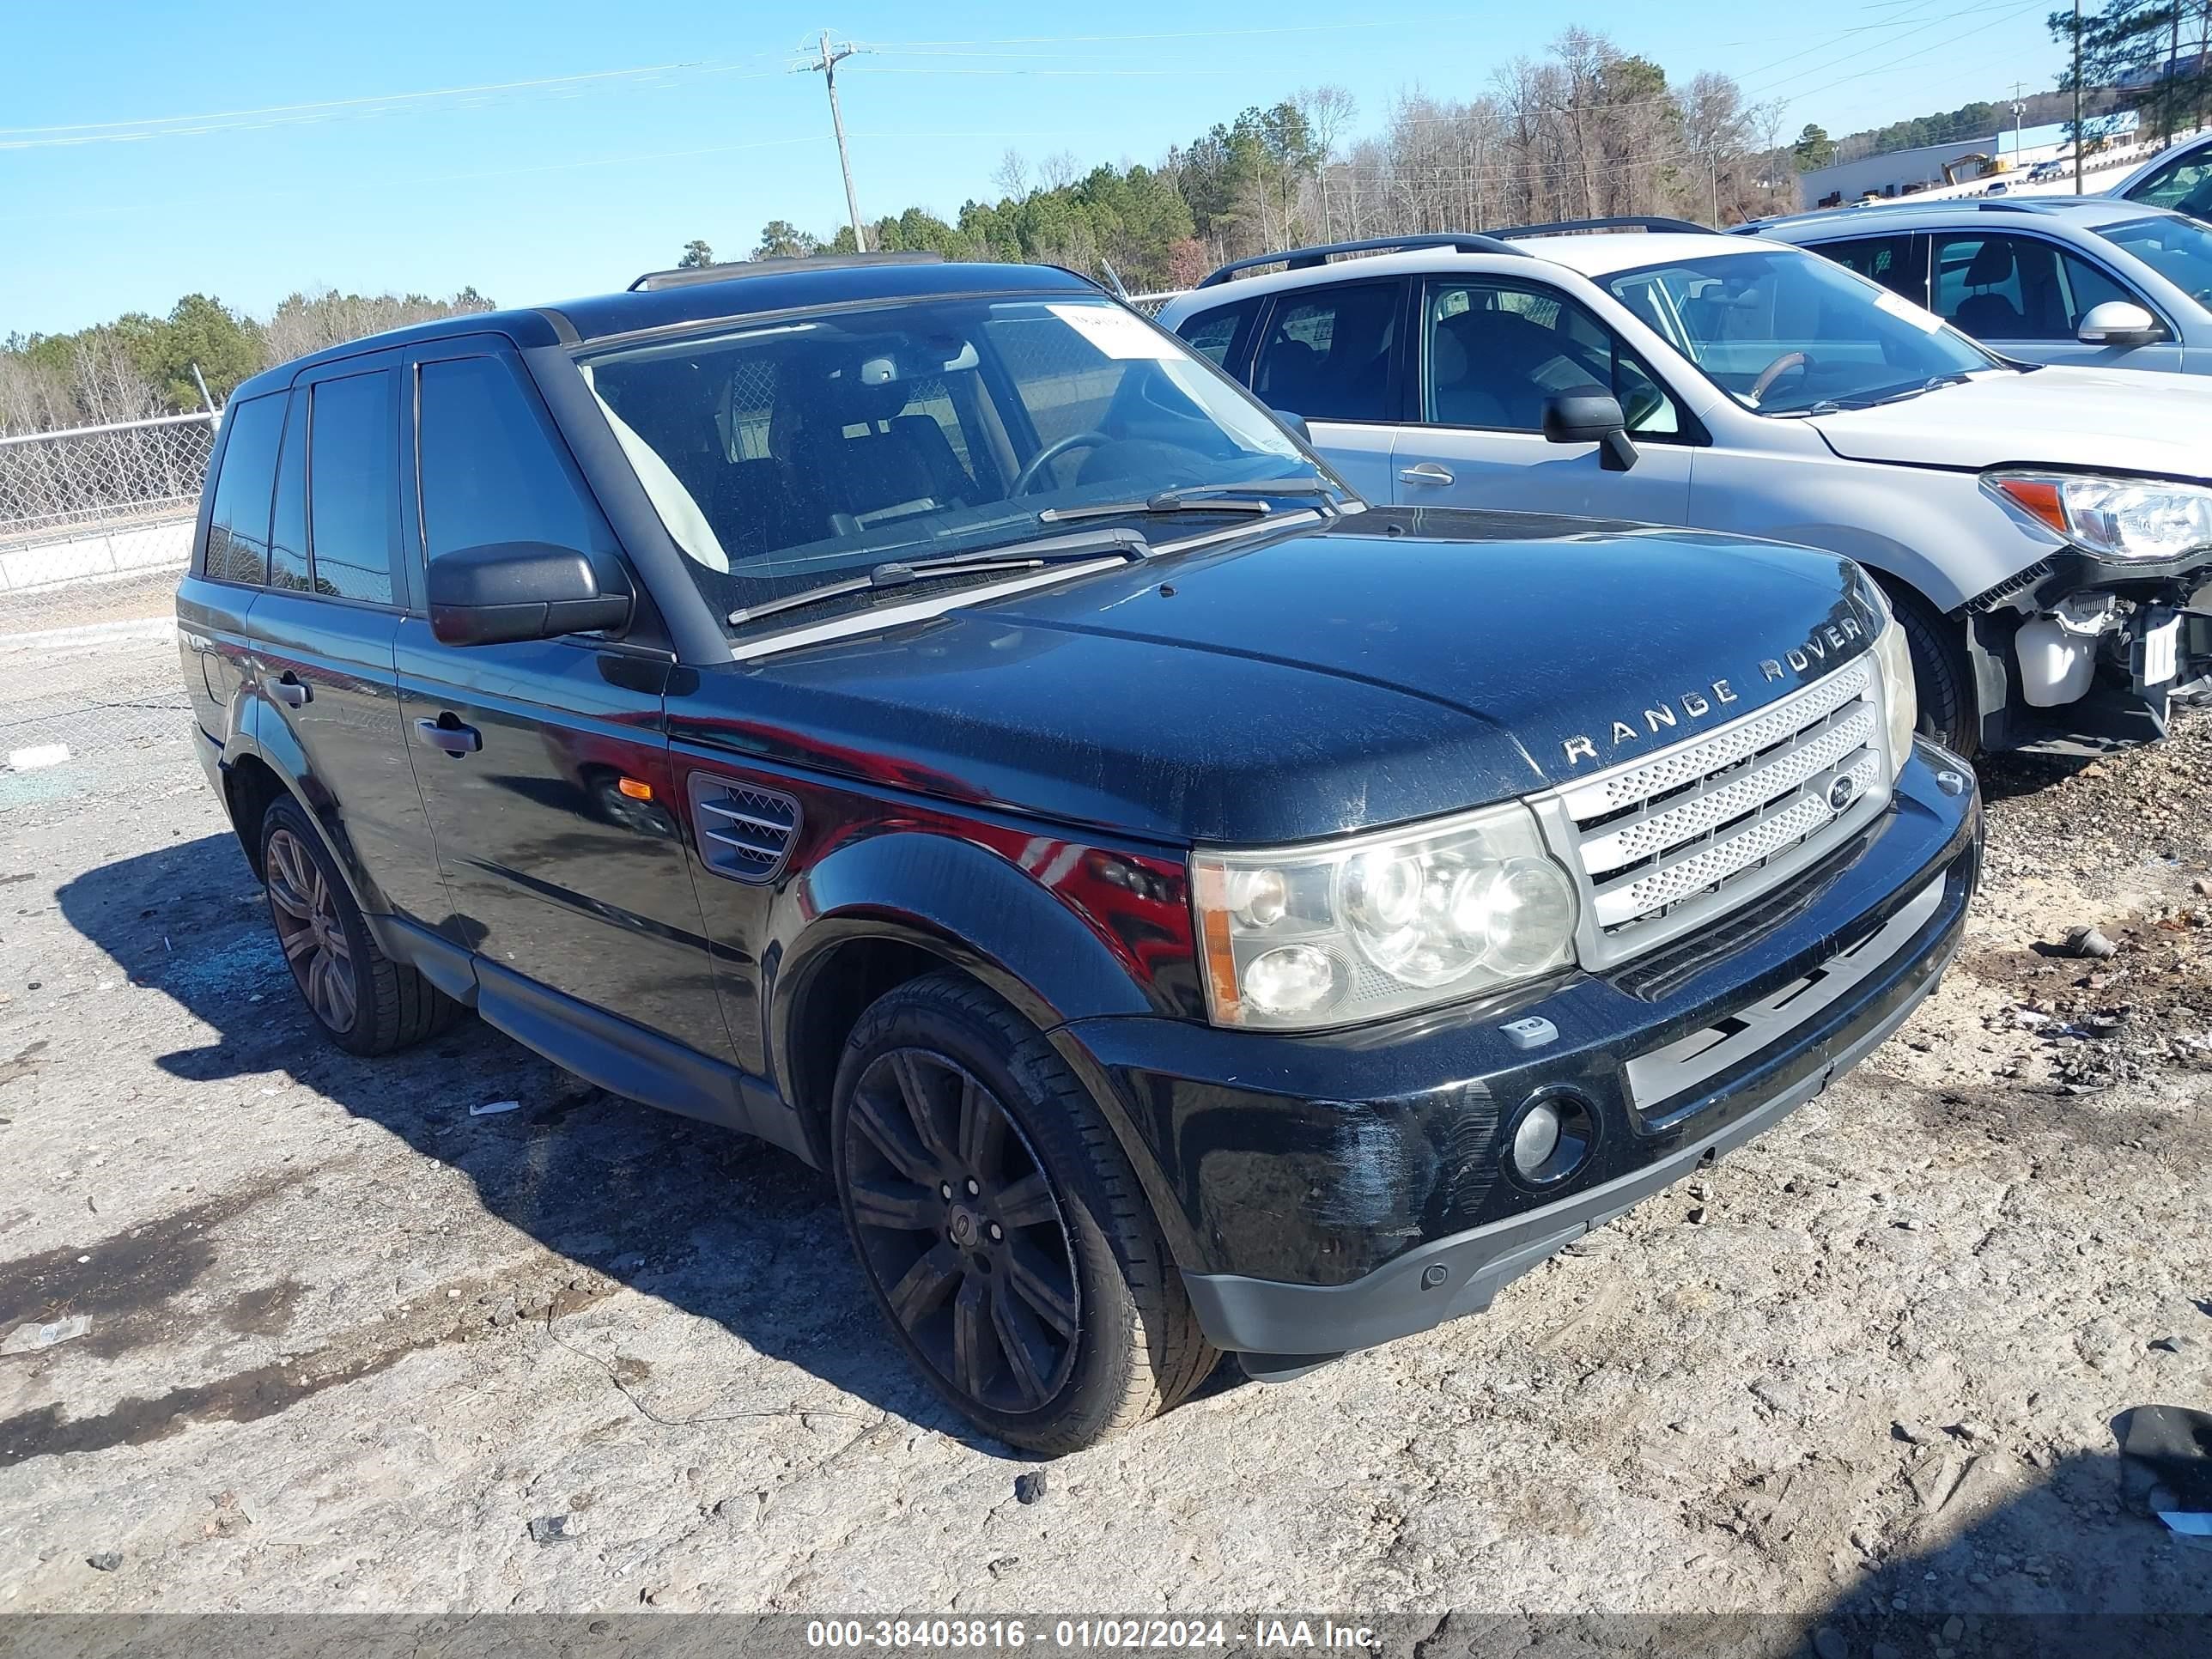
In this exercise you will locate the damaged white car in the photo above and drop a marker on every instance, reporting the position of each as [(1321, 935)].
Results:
[(2046, 533)]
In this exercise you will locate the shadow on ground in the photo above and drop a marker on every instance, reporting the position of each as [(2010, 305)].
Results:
[(724, 1227), (2063, 1563)]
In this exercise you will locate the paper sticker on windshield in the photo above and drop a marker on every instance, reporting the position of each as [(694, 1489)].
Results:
[(1898, 305), (1114, 332)]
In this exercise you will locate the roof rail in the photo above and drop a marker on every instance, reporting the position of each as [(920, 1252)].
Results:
[(1633, 221), (1306, 258), (683, 276)]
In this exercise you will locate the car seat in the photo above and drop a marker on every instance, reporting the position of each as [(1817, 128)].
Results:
[(893, 465), (1500, 385), (1991, 316)]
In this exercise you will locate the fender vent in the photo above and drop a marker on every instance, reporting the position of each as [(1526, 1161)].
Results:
[(745, 832)]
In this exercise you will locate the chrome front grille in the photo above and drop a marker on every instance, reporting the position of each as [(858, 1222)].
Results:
[(1666, 844)]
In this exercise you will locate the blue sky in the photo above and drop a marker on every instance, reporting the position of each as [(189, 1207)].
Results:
[(318, 164)]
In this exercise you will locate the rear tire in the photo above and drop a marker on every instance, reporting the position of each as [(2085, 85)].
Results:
[(1949, 711), (365, 1002), (1001, 1227)]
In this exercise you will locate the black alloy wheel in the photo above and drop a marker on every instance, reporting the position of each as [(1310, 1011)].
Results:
[(303, 904), (958, 1225), (365, 1002)]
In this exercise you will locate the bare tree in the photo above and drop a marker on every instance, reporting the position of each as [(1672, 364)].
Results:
[(1328, 113)]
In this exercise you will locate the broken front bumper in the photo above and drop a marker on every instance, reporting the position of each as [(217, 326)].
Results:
[(2139, 635)]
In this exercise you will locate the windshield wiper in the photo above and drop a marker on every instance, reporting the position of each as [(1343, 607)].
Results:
[(1933, 382), (1194, 498), (1015, 555)]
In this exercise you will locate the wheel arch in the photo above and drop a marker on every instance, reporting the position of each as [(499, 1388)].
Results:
[(263, 763), (818, 1005), (886, 909)]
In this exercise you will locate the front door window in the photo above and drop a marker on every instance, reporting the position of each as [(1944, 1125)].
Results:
[(1492, 353)]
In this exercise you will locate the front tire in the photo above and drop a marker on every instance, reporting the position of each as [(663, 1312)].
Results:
[(365, 1002), (1950, 712), (1001, 1226)]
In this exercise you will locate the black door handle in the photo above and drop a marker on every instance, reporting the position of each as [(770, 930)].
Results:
[(289, 691), (447, 733)]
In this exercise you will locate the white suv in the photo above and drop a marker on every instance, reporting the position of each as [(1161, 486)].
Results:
[(2045, 533)]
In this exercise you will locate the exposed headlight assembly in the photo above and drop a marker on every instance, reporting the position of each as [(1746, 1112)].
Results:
[(1304, 938), (1893, 656), (2143, 519)]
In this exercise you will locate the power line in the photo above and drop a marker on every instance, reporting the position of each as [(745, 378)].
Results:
[(1174, 34), (156, 126), (1890, 62)]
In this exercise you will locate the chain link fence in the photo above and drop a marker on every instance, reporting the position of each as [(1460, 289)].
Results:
[(95, 525), (100, 500)]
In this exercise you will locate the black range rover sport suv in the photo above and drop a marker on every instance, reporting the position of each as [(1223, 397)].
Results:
[(924, 716)]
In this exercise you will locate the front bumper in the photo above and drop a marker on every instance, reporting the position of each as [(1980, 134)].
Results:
[(1336, 1191), (2158, 653)]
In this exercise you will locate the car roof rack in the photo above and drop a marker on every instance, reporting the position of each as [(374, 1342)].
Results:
[(1306, 258), (1631, 221), (683, 276)]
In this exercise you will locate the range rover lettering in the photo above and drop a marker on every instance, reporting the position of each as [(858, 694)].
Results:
[(927, 717)]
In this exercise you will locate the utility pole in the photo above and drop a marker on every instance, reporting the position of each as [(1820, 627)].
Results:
[(2173, 72), (2080, 146), (827, 68), (2019, 113)]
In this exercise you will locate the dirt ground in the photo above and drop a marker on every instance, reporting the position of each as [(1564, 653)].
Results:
[(351, 1348)]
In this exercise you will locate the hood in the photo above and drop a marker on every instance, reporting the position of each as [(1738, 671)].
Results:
[(2081, 418), (1390, 667)]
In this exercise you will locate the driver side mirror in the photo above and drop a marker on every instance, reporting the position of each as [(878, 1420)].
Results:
[(1587, 417), (2119, 323), (507, 591)]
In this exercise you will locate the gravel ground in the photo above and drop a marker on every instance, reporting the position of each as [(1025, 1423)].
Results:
[(349, 1344)]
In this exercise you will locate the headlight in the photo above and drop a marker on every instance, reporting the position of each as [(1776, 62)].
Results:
[(1298, 939), (1892, 655), (2118, 518)]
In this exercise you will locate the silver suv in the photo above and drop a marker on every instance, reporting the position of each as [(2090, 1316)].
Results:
[(2085, 280), (2045, 534)]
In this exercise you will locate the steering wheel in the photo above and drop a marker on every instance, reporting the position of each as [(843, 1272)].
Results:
[(1775, 370), (1026, 478)]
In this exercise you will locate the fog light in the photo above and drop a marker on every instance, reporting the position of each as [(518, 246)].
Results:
[(1536, 1139), (1551, 1138)]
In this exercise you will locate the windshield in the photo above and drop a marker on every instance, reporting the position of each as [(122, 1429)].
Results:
[(1792, 333), (2178, 249), (792, 455)]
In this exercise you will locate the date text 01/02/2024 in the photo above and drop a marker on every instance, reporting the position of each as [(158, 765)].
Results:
[(1264, 1634)]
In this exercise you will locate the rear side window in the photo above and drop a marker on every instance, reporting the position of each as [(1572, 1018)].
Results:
[(288, 531), (1328, 357), (238, 523), (1219, 334), (1885, 259), (490, 470), (353, 474)]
